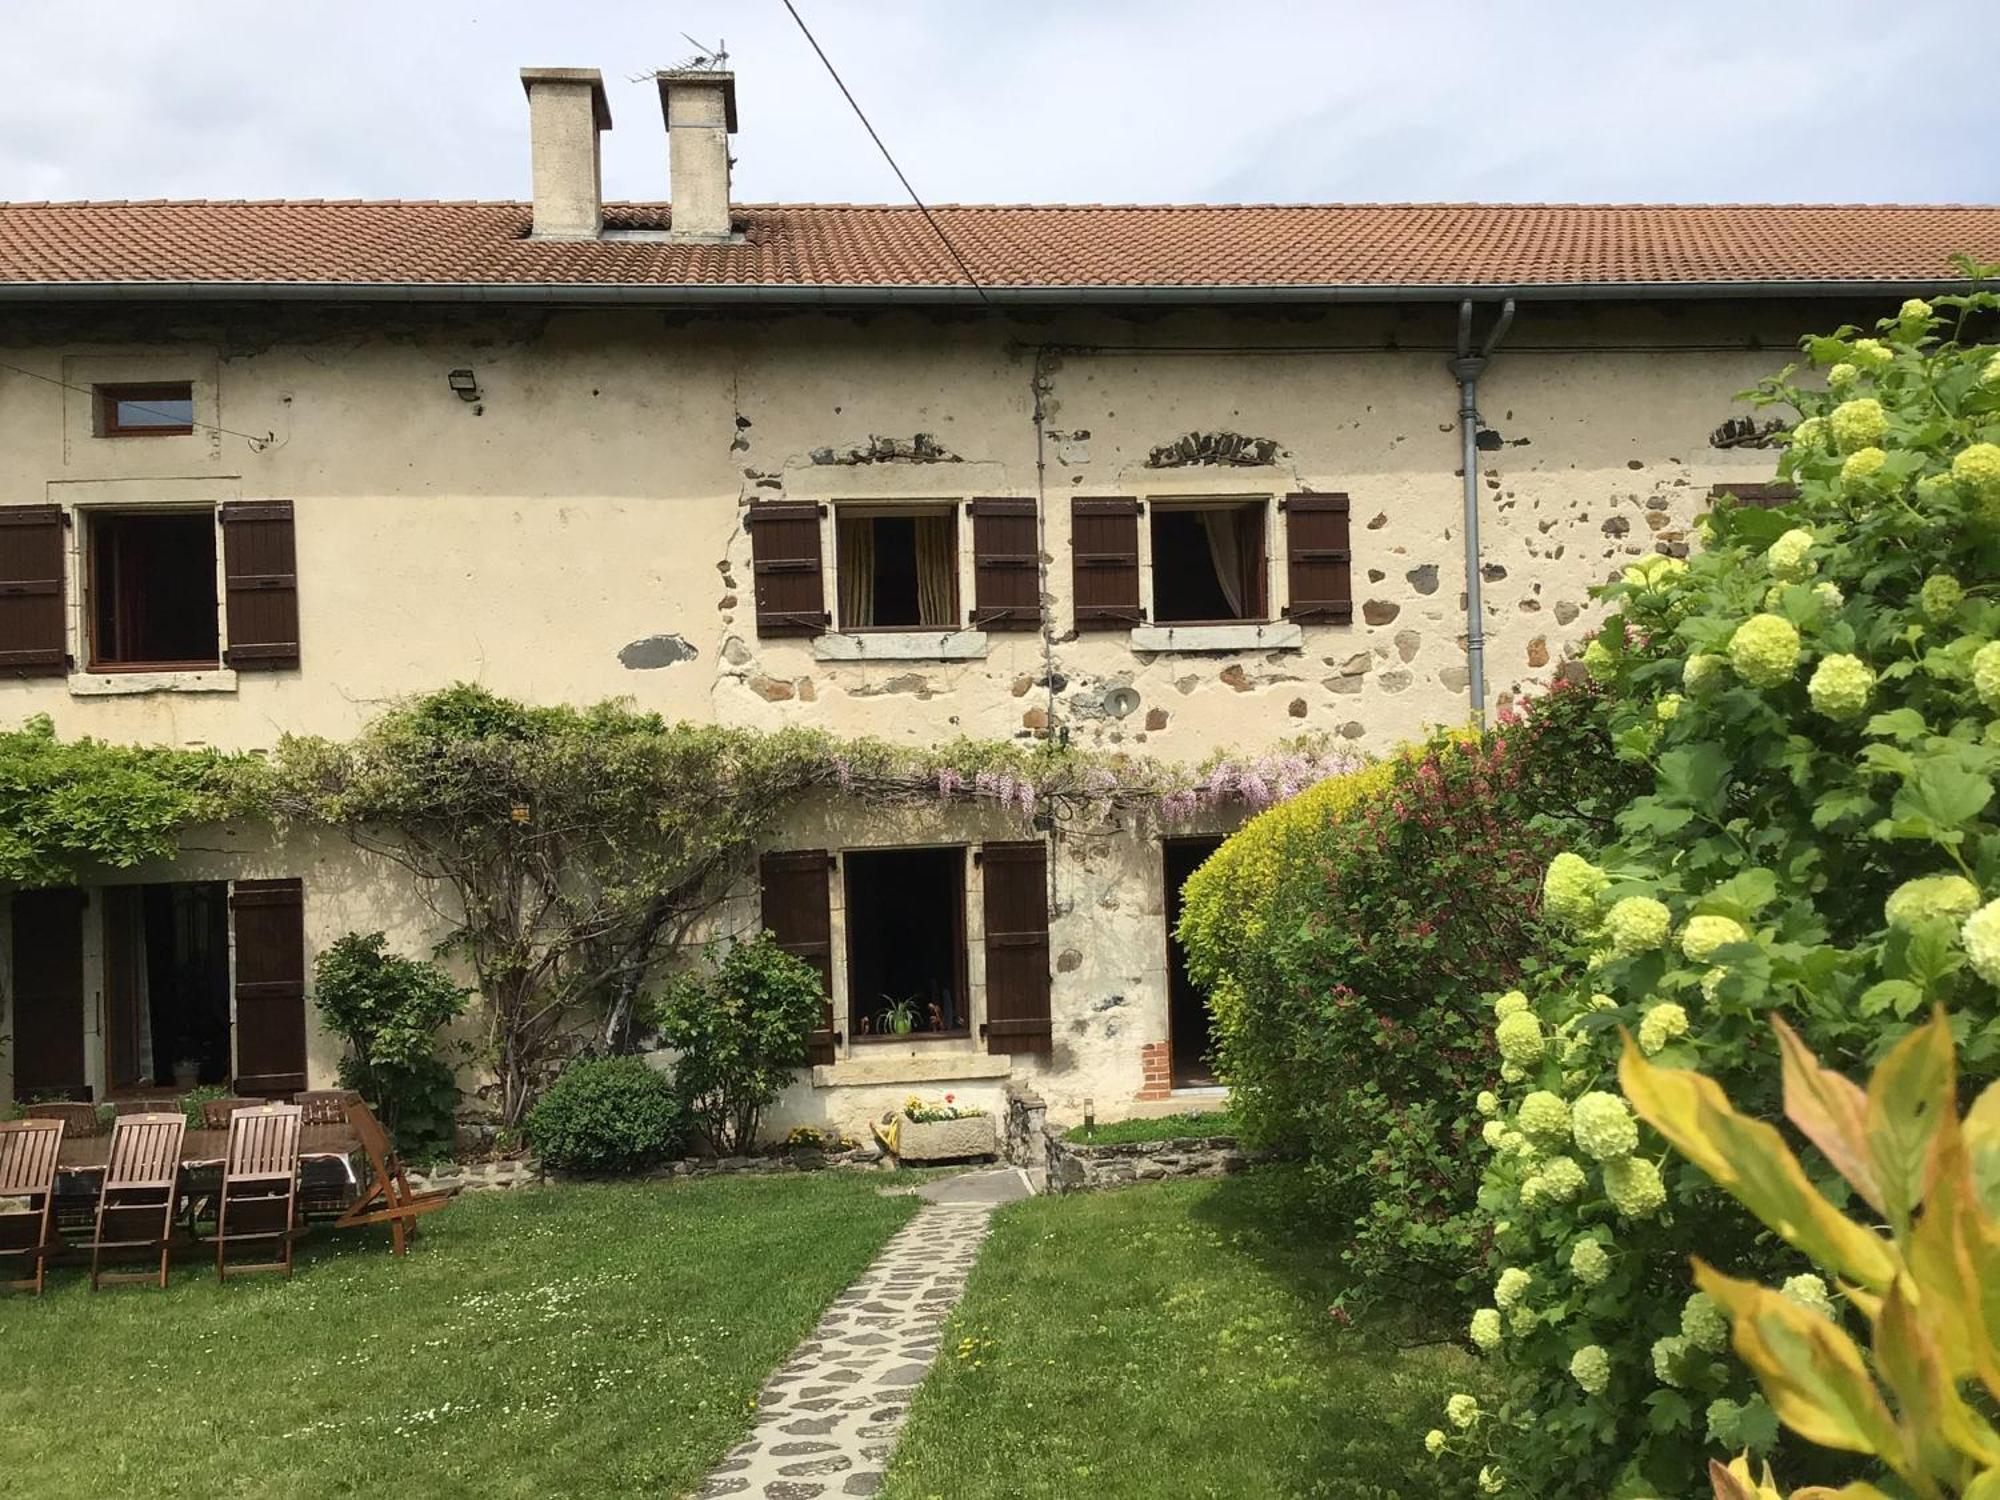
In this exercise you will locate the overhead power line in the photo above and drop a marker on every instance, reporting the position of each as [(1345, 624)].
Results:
[(263, 441), (929, 218)]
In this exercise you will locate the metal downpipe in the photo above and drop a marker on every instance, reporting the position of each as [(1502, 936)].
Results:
[(1467, 367)]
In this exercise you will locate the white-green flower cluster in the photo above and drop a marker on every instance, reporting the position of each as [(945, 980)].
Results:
[(1809, 1291), (1980, 937), (1927, 897), (1789, 556), (1858, 424), (1603, 1127), (1872, 354), (1704, 935), (1570, 889), (1840, 686), (1764, 650), (1941, 594), (1810, 433), (1637, 924), (1989, 373), (1986, 675), (1491, 1480), (1519, 1038), (1725, 1424), (1660, 1025), (1668, 708), (1704, 1324), (1634, 1187), (1702, 672), (1861, 468), (1511, 1287), (1461, 1411), (1829, 595), (1434, 1441), (1488, 1103), (1842, 377), (1588, 1263), (1510, 1004), (1544, 1118), (1976, 471), (1590, 1367), (1494, 1133), (1485, 1330), (1667, 1354), (1556, 1180)]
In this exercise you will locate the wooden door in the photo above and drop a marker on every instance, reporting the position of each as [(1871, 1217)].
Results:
[(126, 1064), (48, 994), (270, 986)]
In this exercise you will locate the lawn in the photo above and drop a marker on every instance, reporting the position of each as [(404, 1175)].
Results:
[(581, 1340), (1173, 1339), (1159, 1128)]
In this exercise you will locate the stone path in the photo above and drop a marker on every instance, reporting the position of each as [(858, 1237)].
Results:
[(827, 1420)]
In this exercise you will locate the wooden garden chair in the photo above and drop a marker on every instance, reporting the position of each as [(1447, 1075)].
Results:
[(215, 1113), (325, 1106), (28, 1152), (76, 1192), (79, 1119), (260, 1188), (135, 1207), (389, 1198)]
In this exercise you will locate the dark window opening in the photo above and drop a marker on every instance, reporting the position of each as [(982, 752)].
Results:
[(898, 572), (166, 978), (165, 410), (1189, 1035), (152, 590), (905, 943), (1208, 563)]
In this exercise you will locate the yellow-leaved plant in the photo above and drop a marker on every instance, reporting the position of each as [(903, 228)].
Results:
[(1925, 1274)]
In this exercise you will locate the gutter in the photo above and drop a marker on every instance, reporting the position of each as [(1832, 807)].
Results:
[(875, 294)]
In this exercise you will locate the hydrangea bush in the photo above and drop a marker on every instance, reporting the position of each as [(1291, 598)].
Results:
[(1815, 697)]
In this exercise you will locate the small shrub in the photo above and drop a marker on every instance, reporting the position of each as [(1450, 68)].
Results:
[(606, 1114), (388, 1008), (739, 1027), (193, 1100)]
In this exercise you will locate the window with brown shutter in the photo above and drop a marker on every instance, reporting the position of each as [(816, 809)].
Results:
[(260, 572), (797, 913), (34, 628), (270, 943), (1016, 879), (48, 994), (1763, 496), (785, 567), (1318, 563), (1006, 565), (1104, 560)]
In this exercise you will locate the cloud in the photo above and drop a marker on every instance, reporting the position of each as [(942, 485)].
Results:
[(1033, 100)]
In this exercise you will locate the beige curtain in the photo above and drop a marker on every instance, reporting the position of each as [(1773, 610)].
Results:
[(937, 573), (1225, 550), (856, 567)]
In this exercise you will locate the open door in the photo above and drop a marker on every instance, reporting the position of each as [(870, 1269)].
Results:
[(48, 995), (1187, 1006)]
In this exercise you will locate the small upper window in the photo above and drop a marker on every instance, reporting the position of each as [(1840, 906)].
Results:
[(1208, 563), (162, 410), (151, 584), (897, 570)]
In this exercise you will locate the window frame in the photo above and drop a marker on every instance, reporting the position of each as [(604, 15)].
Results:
[(106, 397), (92, 519), (1268, 611), (962, 959), (874, 510)]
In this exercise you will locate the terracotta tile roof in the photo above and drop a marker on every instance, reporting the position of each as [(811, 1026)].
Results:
[(814, 246)]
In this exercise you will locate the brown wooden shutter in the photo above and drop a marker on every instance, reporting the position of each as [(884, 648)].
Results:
[(1006, 565), (34, 628), (785, 567), (48, 994), (797, 912), (1016, 878), (1104, 562), (270, 929), (260, 573), (1318, 562), (1763, 496)]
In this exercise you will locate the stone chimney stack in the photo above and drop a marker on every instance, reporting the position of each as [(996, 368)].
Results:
[(566, 111), (700, 109)]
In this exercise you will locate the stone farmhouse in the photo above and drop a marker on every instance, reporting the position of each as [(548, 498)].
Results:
[(1171, 479)]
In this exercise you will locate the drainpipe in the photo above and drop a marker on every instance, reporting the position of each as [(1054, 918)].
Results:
[(1467, 367)]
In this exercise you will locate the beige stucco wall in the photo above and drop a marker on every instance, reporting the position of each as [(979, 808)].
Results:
[(592, 499)]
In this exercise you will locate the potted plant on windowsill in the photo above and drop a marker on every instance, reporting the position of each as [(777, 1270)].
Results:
[(921, 1131), (897, 1017)]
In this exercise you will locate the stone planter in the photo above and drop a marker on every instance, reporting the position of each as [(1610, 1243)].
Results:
[(943, 1140)]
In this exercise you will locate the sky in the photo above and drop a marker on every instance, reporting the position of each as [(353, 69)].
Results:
[(1025, 100)]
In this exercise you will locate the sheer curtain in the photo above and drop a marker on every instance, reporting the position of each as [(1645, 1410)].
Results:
[(937, 572), (1225, 551), (856, 564)]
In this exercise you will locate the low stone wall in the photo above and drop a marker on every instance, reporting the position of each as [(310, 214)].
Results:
[(1077, 1168), (527, 1172)]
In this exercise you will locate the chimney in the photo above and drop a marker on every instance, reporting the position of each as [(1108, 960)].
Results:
[(566, 110), (700, 109)]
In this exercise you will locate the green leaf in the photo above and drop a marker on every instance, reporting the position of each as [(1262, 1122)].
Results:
[(1900, 724)]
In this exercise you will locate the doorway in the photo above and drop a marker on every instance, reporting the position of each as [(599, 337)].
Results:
[(1188, 1033), (166, 985)]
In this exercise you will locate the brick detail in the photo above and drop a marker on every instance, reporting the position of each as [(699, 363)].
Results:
[(1156, 1063)]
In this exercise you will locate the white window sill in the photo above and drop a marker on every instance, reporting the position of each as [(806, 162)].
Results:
[(934, 1067), (1276, 635), (900, 645), (129, 684)]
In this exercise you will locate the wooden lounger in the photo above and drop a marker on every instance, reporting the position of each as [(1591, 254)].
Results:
[(389, 1198), (135, 1209), (260, 1188), (28, 1152)]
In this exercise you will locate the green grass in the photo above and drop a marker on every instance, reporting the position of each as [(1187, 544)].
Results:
[(600, 1340), (1162, 1128), (1172, 1340)]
